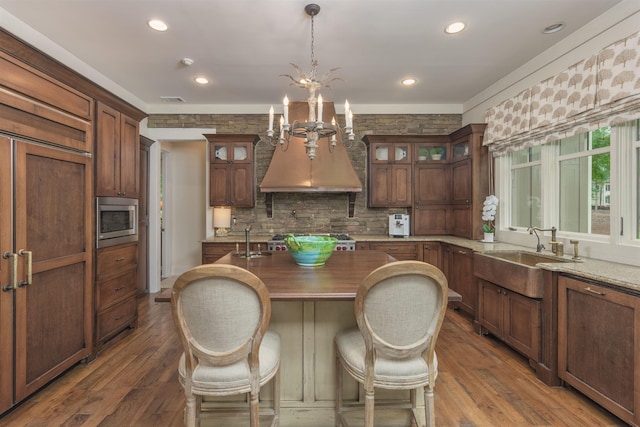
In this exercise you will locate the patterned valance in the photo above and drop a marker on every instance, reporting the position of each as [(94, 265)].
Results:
[(601, 90)]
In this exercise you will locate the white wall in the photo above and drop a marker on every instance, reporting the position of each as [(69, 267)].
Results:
[(175, 136), (615, 24), (185, 186)]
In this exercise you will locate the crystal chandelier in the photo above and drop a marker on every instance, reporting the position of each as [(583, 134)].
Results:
[(314, 128)]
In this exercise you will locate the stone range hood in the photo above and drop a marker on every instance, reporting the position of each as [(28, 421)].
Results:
[(292, 171)]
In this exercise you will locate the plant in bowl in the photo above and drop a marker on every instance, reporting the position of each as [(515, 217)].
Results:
[(310, 251), (437, 153)]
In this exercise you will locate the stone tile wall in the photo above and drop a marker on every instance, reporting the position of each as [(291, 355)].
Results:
[(314, 212)]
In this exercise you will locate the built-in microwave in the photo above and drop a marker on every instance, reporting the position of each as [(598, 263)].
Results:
[(116, 221)]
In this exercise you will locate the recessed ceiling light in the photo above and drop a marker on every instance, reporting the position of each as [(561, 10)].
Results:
[(408, 82), (553, 28), (201, 80), (454, 27), (157, 25)]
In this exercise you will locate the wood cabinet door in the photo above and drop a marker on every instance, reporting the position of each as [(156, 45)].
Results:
[(129, 158), (53, 223), (461, 278), (107, 151), (432, 253), (521, 327), (432, 184), (241, 185), (218, 185), (490, 307), (401, 186), (461, 182), (6, 297), (599, 345), (460, 221), (431, 219), (380, 185)]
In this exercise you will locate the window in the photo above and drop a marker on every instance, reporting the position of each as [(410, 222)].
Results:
[(526, 187), (637, 180), (584, 165), (580, 183)]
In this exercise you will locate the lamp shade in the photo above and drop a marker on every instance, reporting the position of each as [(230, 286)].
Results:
[(221, 217)]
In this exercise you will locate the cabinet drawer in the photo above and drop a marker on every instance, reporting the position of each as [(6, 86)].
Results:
[(116, 318), (400, 250), (213, 251), (117, 288), (112, 261)]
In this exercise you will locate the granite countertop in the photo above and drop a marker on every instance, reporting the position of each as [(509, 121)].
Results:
[(620, 275)]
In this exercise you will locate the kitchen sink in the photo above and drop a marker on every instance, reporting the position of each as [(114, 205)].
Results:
[(526, 258), (514, 270), (251, 254)]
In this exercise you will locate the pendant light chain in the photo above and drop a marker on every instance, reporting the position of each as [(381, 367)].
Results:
[(312, 42)]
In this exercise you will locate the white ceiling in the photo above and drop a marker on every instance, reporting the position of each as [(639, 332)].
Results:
[(243, 46)]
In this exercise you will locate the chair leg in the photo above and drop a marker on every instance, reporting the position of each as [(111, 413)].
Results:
[(190, 411), (369, 406), (338, 391), (276, 398), (429, 407), (413, 399), (254, 409)]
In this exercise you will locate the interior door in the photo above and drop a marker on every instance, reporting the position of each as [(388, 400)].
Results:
[(53, 303), (7, 293)]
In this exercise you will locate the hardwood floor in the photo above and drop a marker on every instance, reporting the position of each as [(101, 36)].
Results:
[(134, 383)]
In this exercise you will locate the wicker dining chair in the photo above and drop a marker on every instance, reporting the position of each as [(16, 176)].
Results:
[(399, 310), (221, 313)]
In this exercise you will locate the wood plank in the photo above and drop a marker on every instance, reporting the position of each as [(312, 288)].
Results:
[(481, 382)]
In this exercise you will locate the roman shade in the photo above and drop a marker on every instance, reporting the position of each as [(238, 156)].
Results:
[(601, 90)]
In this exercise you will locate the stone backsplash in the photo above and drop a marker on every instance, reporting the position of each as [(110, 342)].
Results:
[(314, 212)]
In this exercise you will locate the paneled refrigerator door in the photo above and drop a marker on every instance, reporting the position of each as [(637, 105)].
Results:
[(7, 260), (46, 208)]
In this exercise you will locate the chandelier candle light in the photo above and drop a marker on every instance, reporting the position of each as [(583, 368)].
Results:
[(315, 127)]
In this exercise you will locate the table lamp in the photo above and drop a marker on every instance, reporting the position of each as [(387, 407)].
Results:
[(221, 220)]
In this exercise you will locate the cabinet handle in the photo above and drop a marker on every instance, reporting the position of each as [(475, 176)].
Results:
[(593, 291), (13, 281), (119, 288), (119, 259), (29, 256), (462, 252), (119, 317)]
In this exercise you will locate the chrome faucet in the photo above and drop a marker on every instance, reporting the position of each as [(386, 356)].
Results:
[(248, 245), (540, 246)]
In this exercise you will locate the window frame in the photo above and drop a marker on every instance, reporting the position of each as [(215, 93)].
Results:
[(615, 247)]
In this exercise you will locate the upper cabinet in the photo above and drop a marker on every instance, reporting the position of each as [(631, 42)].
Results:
[(390, 170), (443, 178), (231, 170), (469, 181), (117, 153)]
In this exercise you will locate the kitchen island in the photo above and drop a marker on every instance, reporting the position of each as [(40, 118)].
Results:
[(309, 306)]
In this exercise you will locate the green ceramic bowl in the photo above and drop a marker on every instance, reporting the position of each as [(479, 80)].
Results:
[(310, 251)]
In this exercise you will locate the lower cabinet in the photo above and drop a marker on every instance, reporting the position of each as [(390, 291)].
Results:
[(211, 251), (116, 288), (432, 253), (599, 345), (457, 265), (512, 317)]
